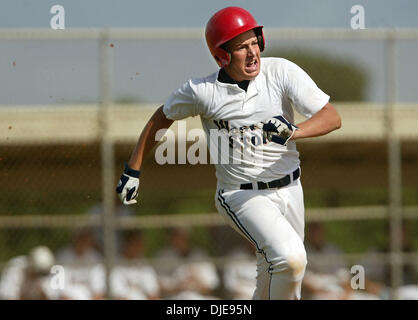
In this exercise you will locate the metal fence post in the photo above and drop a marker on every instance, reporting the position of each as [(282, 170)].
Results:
[(107, 157), (394, 167)]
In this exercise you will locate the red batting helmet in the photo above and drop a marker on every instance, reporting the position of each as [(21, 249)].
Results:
[(225, 25)]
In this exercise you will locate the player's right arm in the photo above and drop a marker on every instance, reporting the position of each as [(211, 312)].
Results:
[(146, 141), (180, 105), (128, 185)]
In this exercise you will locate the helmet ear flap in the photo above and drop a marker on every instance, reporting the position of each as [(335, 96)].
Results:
[(260, 38), (219, 61), (260, 42), (222, 57)]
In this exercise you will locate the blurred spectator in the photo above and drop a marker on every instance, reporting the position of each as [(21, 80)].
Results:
[(131, 279), (240, 272), (325, 277), (85, 275), (348, 292), (83, 249), (316, 245), (378, 274), (184, 272), (96, 212), (28, 277)]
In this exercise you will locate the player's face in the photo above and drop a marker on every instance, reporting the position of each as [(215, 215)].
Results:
[(245, 57)]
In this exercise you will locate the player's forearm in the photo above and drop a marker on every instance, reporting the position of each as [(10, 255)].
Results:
[(321, 123), (146, 141)]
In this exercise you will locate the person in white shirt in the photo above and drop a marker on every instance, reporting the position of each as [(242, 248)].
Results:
[(131, 278), (249, 105), (85, 273), (239, 272), (28, 277), (184, 271), (325, 277)]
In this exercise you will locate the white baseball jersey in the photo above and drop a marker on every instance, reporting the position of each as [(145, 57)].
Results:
[(134, 282), (220, 105)]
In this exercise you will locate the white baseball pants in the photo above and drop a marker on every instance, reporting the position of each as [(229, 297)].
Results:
[(273, 221)]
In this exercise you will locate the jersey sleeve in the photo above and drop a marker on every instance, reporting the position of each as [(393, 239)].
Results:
[(182, 103), (302, 91)]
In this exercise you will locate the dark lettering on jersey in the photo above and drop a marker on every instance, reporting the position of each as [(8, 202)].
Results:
[(238, 133), (222, 124), (231, 142)]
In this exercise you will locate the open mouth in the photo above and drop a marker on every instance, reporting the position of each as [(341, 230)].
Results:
[(251, 66)]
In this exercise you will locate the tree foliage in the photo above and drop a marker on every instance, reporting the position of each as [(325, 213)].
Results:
[(342, 80)]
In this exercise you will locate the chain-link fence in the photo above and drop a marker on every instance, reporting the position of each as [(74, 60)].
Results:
[(60, 161)]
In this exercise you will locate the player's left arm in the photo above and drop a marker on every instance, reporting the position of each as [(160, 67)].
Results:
[(324, 121)]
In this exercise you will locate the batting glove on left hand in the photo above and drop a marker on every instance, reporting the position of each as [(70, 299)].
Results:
[(278, 130), (128, 185)]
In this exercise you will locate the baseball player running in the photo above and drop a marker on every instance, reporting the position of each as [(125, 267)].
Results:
[(251, 100)]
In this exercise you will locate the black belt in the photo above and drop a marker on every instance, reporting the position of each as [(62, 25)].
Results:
[(275, 184)]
